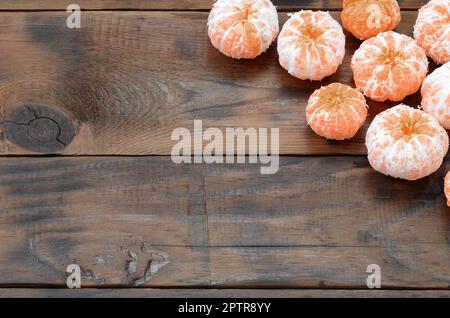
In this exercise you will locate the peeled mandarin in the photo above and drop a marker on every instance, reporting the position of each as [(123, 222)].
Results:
[(447, 187), (336, 111), (436, 95), (432, 30), (243, 29), (311, 45), (389, 66), (407, 143), (367, 18)]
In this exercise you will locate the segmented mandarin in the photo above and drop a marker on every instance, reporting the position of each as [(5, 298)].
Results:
[(243, 29), (336, 111), (406, 143), (432, 30), (447, 187), (311, 45), (367, 18), (389, 66), (436, 95)]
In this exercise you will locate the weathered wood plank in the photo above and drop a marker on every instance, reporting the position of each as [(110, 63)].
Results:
[(218, 293), (125, 80), (318, 222), (176, 4)]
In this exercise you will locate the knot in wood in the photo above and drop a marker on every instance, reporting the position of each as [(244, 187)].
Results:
[(40, 129)]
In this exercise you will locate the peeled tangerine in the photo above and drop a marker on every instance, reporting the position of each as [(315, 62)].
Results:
[(404, 142), (436, 95), (336, 111), (389, 66), (243, 29), (311, 45), (367, 18), (432, 30), (447, 187)]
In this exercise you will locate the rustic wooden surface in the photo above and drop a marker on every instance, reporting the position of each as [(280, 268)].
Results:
[(125, 81), (176, 4), (316, 223), (118, 86), (220, 293)]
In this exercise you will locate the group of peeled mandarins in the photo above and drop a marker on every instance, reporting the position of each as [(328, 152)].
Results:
[(402, 142)]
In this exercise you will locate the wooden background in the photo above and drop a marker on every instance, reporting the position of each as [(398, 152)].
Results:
[(86, 177)]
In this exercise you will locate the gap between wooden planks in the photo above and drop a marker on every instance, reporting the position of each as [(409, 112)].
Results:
[(219, 293), (125, 80), (178, 5), (317, 223)]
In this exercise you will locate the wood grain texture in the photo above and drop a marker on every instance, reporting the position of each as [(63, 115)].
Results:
[(125, 80), (119, 86), (176, 4), (318, 223), (217, 293)]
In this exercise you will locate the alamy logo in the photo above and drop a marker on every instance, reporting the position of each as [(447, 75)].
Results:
[(374, 279), (74, 276), (236, 141), (375, 16), (74, 19)]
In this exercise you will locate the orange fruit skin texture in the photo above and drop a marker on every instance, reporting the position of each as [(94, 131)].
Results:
[(407, 143), (311, 45), (243, 29), (447, 187), (336, 111), (367, 18), (432, 30), (436, 95), (389, 66)]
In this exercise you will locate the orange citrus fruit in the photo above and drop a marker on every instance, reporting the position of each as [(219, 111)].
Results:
[(336, 111), (447, 187), (404, 142), (389, 66), (432, 30), (311, 45), (243, 29), (436, 95), (367, 18)]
